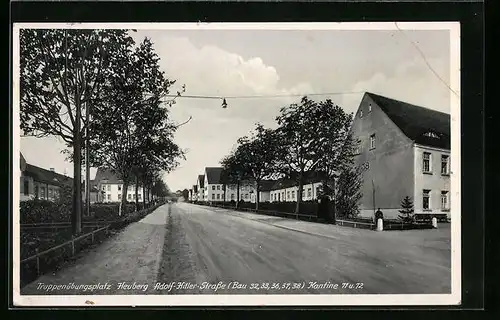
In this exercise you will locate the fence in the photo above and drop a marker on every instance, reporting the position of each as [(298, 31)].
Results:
[(32, 267), (41, 262), (356, 224), (271, 213)]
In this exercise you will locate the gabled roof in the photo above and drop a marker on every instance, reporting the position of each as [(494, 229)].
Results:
[(106, 174), (47, 176), (201, 180), (424, 126), (22, 163), (309, 177), (213, 175)]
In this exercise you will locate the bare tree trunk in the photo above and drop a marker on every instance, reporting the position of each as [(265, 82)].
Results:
[(144, 196), (257, 195), (123, 203), (136, 193), (299, 195), (76, 217), (237, 194)]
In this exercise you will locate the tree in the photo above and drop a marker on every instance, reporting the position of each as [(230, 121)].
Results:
[(185, 194), (348, 191), (258, 157), (133, 134), (312, 138), (407, 211), (233, 172), (335, 143), (61, 73)]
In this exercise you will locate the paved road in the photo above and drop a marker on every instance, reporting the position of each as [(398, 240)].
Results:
[(215, 248)]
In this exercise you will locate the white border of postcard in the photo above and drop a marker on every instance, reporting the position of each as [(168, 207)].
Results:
[(257, 300)]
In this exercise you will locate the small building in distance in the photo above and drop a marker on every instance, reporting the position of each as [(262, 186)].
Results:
[(41, 183), (200, 186), (404, 150), (286, 190), (110, 186)]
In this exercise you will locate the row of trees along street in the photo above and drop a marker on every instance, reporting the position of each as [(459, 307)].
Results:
[(98, 89), (311, 136)]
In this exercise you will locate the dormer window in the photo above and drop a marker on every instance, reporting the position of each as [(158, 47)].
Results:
[(431, 134), (369, 108)]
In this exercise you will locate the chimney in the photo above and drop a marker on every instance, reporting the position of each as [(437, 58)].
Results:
[(52, 169)]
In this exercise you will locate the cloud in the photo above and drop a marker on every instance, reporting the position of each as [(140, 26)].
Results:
[(211, 71), (413, 82)]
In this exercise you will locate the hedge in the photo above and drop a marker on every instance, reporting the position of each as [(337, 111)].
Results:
[(44, 211)]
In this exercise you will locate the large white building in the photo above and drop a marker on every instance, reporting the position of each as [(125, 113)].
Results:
[(110, 186), (404, 150)]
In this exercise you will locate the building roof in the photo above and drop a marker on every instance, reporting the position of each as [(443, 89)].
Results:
[(47, 176), (106, 174), (424, 126), (213, 175), (201, 180), (22, 162), (309, 177)]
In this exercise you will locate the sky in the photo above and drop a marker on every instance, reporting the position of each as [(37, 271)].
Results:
[(288, 63)]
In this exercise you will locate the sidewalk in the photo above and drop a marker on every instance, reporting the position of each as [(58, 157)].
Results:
[(131, 255)]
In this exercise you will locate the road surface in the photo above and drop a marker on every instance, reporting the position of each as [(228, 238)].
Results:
[(190, 249)]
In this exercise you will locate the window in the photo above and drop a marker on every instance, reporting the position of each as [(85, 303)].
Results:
[(139, 196), (213, 196), (444, 200), (51, 193), (109, 187), (119, 197), (372, 141), (293, 195), (218, 196), (26, 188), (232, 196), (56, 193), (42, 192), (361, 113), (109, 197), (358, 147), (426, 199), (129, 196), (213, 187), (218, 187), (370, 108), (119, 187), (288, 194), (426, 162), (445, 164), (309, 192)]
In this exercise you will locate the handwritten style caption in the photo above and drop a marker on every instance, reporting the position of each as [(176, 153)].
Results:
[(204, 286)]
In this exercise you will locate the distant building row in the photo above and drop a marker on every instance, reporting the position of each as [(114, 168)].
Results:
[(46, 184), (210, 188)]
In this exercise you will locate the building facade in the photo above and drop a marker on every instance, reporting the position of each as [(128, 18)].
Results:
[(200, 184), (111, 187), (401, 151), (41, 183)]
